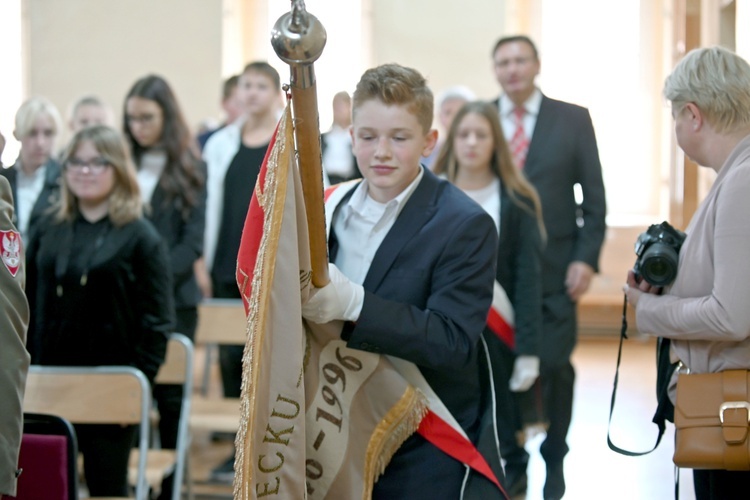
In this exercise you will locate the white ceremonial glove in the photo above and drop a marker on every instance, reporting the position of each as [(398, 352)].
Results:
[(340, 299), (525, 372)]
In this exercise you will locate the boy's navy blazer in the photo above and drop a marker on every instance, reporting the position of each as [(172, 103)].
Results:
[(428, 291), (427, 294)]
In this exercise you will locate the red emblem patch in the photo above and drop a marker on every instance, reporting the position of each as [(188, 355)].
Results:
[(10, 250)]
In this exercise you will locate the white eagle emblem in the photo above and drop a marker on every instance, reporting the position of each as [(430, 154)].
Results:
[(10, 251)]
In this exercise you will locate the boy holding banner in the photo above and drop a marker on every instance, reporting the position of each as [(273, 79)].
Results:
[(412, 271)]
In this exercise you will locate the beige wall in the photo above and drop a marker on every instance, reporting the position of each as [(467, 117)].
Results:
[(450, 44), (103, 46)]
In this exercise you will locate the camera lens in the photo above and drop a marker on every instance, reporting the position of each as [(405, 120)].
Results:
[(659, 265)]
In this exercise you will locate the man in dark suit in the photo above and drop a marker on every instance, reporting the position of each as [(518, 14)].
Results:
[(14, 360), (554, 143)]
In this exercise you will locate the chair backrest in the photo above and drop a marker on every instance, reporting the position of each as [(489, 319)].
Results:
[(178, 362), (221, 321), (48, 458), (94, 395), (178, 369)]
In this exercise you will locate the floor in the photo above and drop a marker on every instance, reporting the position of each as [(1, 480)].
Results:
[(592, 470)]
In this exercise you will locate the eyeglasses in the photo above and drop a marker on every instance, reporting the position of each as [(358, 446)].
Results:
[(95, 165), (143, 119)]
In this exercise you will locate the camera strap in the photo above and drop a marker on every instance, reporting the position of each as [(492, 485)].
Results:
[(661, 411)]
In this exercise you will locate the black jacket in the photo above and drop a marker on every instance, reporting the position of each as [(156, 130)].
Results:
[(184, 240), (519, 271), (119, 314)]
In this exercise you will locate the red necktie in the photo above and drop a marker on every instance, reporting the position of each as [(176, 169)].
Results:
[(519, 143)]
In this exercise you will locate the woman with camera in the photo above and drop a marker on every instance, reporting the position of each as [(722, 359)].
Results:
[(705, 311)]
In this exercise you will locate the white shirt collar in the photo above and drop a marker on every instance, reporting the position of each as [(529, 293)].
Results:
[(357, 200), (532, 104), (37, 176)]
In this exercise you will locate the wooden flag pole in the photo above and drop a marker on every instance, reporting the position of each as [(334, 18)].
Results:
[(298, 39)]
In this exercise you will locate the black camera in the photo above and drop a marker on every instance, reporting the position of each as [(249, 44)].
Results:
[(657, 250)]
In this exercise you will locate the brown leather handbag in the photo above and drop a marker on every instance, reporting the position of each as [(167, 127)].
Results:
[(711, 417)]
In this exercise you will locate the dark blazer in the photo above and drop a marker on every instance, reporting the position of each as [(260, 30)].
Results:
[(184, 240), (49, 196), (123, 313), (427, 294), (519, 270), (563, 152)]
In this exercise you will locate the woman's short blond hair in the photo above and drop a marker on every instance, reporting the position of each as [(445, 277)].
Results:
[(125, 199), (30, 111), (717, 81)]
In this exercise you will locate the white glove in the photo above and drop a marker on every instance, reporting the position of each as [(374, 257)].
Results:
[(340, 299), (525, 372)]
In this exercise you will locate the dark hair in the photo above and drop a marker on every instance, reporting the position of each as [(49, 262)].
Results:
[(228, 86), (393, 84), (265, 69), (519, 189), (516, 38), (182, 180)]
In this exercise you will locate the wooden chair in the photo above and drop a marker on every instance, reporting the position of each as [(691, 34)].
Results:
[(177, 369), (220, 322), (94, 395)]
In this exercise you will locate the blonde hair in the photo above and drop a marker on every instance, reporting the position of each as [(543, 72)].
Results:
[(717, 81), (125, 199), (393, 84), (30, 111), (501, 163)]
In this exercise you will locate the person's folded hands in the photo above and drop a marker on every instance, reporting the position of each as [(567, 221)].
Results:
[(525, 372), (340, 299)]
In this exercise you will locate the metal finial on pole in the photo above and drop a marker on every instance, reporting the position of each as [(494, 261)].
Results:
[(298, 39)]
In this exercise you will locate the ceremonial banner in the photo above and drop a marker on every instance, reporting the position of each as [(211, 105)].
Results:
[(318, 420)]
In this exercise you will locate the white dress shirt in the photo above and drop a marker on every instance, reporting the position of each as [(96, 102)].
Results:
[(149, 172), (361, 226), (488, 198)]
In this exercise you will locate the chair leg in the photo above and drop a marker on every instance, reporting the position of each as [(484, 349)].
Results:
[(188, 479), (211, 352)]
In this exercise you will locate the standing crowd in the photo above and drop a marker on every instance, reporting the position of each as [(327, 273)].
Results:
[(445, 250)]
